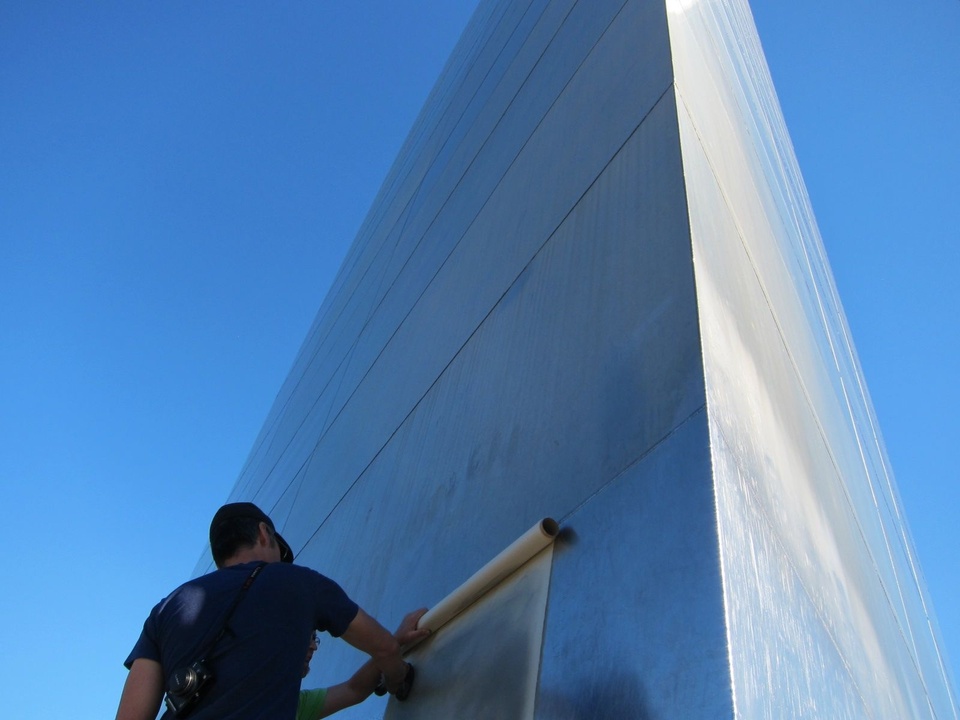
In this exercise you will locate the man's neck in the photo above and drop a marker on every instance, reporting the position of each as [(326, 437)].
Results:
[(247, 555)]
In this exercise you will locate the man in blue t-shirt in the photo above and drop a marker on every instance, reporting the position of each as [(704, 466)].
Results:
[(253, 640)]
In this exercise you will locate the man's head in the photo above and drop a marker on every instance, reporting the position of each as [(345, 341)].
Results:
[(311, 649), (239, 525)]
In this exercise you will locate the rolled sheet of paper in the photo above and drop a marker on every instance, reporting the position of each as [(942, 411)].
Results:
[(513, 557)]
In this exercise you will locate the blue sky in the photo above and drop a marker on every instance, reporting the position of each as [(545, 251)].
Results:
[(179, 182)]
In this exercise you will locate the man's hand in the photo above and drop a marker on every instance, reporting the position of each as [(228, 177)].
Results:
[(366, 634), (408, 633)]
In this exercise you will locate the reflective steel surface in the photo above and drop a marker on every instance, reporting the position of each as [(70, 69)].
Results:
[(826, 611), (516, 333)]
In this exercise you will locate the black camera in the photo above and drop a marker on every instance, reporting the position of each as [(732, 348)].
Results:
[(185, 687)]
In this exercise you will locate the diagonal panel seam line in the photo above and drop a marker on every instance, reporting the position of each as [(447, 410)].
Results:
[(505, 172), (405, 214), (493, 308), (700, 410), (317, 321), (480, 210)]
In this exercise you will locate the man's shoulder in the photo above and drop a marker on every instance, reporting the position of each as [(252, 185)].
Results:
[(225, 577), (295, 572), (221, 580), (285, 578), (282, 577), (196, 591), (324, 595), (236, 575)]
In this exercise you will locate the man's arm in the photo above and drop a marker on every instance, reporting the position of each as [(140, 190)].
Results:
[(355, 690), (366, 634), (142, 691), (365, 680)]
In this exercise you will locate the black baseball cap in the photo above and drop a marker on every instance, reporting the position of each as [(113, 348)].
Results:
[(249, 510)]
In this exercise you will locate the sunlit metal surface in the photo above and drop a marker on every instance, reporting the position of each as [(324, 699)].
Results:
[(516, 333), (826, 611)]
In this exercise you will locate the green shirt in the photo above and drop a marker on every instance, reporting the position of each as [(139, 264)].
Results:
[(311, 704)]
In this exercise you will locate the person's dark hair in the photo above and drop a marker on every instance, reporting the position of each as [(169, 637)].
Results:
[(231, 535), (237, 525)]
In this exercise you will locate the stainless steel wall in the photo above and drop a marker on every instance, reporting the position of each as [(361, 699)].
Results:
[(826, 611), (516, 332)]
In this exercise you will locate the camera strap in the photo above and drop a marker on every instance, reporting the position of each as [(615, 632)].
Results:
[(236, 601), (190, 681)]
